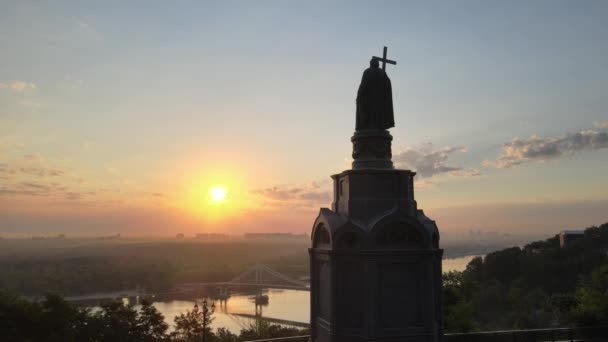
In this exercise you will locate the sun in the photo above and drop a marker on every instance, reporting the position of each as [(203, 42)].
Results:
[(218, 193)]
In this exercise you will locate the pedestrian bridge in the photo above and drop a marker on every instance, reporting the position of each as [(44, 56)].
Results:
[(259, 275)]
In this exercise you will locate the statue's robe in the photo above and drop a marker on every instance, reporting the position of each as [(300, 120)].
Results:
[(375, 101)]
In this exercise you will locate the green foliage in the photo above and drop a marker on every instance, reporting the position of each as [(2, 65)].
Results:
[(151, 322), (592, 299), (88, 266), (224, 335), (188, 327), (261, 329), (53, 319), (459, 317), (539, 285)]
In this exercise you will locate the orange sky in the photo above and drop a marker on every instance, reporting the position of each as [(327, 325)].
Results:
[(107, 126)]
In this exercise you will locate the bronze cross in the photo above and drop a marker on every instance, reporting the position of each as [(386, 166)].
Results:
[(384, 60)]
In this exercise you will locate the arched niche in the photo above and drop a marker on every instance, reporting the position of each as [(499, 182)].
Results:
[(349, 239), (401, 235), (321, 238)]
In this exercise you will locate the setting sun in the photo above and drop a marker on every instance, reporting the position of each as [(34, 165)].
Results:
[(218, 193)]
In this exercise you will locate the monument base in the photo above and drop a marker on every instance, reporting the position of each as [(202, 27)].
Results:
[(375, 262), (372, 149)]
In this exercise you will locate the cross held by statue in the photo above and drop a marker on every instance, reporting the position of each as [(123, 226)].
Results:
[(384, 60)]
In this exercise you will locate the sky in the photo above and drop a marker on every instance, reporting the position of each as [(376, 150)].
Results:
[(122, 117)]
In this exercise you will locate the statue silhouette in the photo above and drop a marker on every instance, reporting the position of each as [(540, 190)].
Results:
[(374, 99)]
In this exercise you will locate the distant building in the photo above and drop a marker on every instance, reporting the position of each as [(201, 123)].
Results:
[(110, 237), (567, 236), (212, 236), (179, 236), (57, 237), (275, 236)]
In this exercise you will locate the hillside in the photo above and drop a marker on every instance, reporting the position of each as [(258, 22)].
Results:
[(539, 285)]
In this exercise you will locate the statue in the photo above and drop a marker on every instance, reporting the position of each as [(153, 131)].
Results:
[(372, 141), (375, 98)]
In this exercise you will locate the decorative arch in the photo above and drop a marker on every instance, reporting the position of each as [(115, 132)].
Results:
[(321, 238), (400, 234), (350, 237)]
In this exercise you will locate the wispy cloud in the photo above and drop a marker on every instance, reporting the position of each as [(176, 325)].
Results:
[(308, 195), (601, 125), (429, 162), (33, 175), (18, 86), (41, 172), (35, 186), (541, 149), (6, 172), (37, 189)]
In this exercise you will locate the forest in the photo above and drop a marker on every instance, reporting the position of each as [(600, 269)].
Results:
[(75, 266), (538, 286)]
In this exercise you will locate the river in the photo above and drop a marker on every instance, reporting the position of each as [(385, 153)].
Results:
[(282, 304)]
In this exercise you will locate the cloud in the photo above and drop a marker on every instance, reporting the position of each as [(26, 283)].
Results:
[(6, 172), (601, 125), (70, 195), (35, 186), (542, 149), (41, 172), (84, 26), (112, 170), (33, 157), (279, 193), (26, 189), (53, 190), (314, 194), (33, 177), (34, 166), (428, 162), (18, 86)]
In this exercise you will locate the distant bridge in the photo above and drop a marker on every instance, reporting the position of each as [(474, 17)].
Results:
[(135, 293), (267, 319), (260, 276)]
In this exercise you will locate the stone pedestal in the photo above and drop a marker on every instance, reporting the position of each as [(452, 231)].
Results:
[(375, 259), (372, 149)]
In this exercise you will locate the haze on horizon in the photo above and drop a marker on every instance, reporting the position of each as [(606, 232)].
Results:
[(164, 118)]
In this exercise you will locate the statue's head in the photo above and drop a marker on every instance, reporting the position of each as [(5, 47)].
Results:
[(374, 63)]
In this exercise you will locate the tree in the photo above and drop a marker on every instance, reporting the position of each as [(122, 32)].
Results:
[(459, 317), (188, 327), (224, 335), (118, 322), (260, 329), (195, 324), (151, 323), (592, 298), (51, 319)]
